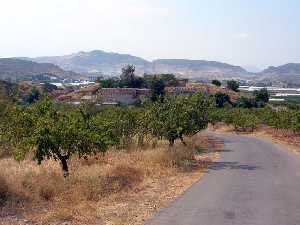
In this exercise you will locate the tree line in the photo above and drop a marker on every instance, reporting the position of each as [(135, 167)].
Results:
[(46, 129), (49, 130)]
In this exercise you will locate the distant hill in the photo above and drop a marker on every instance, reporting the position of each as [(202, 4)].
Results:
[(197, 68), (288, 74), (111, 63), (12, 69), (108, 63), (97, 62)]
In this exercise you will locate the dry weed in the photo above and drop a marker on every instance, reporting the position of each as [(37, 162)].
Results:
[(120, 187)]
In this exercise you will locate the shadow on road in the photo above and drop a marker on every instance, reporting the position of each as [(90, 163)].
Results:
[(231, 166)]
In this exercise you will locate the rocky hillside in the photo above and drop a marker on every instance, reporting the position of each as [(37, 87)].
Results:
[(288, 74), (96, 62), (197, 68), (13, 69), (108, 63), (112, 63)]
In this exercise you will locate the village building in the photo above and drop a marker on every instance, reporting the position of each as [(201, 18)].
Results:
[(106, 96), (128, 96), (182, 82), (122, 96)]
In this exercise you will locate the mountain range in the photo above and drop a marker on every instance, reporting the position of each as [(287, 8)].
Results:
[(111, 63), (288, 74), (107, 63)]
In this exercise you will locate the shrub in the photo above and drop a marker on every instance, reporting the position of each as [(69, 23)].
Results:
[(244, 120), (216, 83), (296, 122), (221, 99), (178, 116), (262, 95), (55, 131), (233, 85), (244, 102)]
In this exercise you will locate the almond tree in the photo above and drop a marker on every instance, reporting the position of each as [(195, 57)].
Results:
[(55, 131), (179, 116)]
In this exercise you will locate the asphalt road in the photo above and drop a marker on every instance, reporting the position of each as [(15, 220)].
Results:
[(254, 183)]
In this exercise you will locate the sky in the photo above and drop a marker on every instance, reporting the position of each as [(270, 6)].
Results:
[(252, 33)]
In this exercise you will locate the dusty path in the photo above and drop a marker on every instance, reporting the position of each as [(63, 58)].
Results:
[(254, 183)]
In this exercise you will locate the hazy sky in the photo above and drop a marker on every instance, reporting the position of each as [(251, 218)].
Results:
[(242, 32)]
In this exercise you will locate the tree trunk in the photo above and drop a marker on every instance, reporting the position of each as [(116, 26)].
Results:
[(65, 167), (182, 140), (171, 142)]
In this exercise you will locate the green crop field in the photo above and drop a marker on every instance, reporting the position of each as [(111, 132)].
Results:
[(290, 99)]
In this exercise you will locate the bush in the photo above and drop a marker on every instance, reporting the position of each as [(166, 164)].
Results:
[(262, 95), (246, 103), (55, 131), (244, 120), (221, 99), (216, 83), (296, 123), (217, 115), (178, 116), (233, 85)]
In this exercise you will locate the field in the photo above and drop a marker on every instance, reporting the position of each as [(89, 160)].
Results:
[(288, 100), (118, 188)]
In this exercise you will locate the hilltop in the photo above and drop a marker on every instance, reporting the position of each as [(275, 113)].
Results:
[(287, 73), (97, 63), (202, 68), (111, 63)]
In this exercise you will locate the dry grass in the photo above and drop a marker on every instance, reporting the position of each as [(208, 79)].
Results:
[(287, 138), (119, 188)]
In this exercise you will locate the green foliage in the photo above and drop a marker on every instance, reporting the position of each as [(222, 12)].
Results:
[(244, 102), (260, 99), (157, 87), (109, 83), (216, 83), (122, 122), (4, 125), (296, 122), (244, 120), (178, 116), (128, 78), (221, 99), (262, 95), (33, 96), (55, 131), (48, 87), (233, 85), (217, 115), (58, 131), (168, 79)]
